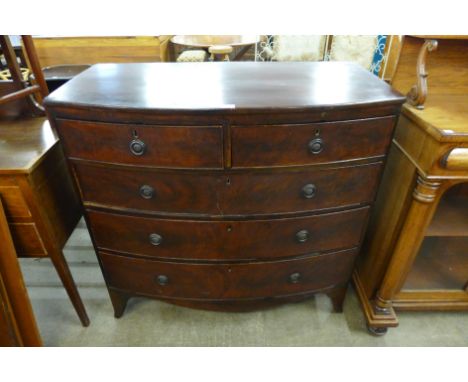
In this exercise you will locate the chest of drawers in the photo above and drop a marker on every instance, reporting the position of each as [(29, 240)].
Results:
[(226, 186)]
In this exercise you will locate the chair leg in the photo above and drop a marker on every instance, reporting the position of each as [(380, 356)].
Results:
[(61, 266)]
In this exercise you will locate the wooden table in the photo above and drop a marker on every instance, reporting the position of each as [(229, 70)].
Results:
[(244, 42), (41, 205)]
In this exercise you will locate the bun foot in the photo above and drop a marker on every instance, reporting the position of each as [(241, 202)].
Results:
[(377, 331)]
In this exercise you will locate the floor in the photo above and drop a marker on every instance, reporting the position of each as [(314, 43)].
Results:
[(153, 323)]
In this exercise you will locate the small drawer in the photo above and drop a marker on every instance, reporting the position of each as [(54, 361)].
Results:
[(289, 145), (232, 193), (146, 145), (27, 240), (227, 281), (227, 240), (14, 203)]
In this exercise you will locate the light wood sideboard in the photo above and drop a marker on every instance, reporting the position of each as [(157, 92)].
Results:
[(415, 252)]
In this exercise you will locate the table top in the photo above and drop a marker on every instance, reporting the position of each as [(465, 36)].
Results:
[(223, 86), (63, 72), (202, 41), (445, 117), (23, 144)]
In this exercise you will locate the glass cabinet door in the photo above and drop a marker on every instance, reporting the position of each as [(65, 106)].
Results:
[(442, 261)]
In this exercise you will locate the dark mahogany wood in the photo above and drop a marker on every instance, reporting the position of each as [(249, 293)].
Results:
[(229, 192), (220, 86), (254, 186), (165, 146), (227, 240), (227, 281), (340, 141)]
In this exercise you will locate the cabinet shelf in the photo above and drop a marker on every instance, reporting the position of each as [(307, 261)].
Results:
[(442, 264), (451, 217)]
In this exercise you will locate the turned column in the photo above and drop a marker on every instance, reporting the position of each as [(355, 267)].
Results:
[(425, 196)]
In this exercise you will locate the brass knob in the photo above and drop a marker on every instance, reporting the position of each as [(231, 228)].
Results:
[(162, 280), (302, 236), (294, 278), (309, 190), (316, 145), (137, 147), (146, 192), (155, 239)]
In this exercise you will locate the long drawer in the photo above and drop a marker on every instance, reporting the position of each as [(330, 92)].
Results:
[(298, 144), (146, 145), (227, 240), (227, 281), (230, 193)]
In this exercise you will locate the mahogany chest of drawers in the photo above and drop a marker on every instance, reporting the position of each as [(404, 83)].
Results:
[(227, 186)]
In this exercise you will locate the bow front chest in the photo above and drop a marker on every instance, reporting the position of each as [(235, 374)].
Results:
[(229, 186)]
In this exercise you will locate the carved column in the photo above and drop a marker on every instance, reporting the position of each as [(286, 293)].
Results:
[(425, 195)]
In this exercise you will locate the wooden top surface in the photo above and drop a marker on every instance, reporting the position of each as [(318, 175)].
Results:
[(444, 116), (205, 41), (224, 86), (23, 144), (445, 113)]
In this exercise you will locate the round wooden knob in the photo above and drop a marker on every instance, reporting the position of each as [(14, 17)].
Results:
[(294, 278), (137, 147), (309, 190), (146, 192), (302, 236), (316, 145), (155, 239), (162, 280)]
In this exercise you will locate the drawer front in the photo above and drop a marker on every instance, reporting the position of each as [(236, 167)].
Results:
[(149, 190), (27, 240), (249, 193), (221, 240), (14, 203), (299, 191), (158, 146), (288, 145), (227, 281)]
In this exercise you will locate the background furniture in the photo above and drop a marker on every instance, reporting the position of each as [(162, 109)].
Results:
[(366, 50), (17, 323), (222, 51), (58, 50), (192, 56), (56, 76), (415, 253), (41, 205), (254, 194), (242, 43)]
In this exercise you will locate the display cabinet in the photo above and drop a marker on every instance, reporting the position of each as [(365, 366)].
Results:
[(415, 254)]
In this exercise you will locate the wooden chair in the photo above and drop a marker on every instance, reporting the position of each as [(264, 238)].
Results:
[(41, 204)]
